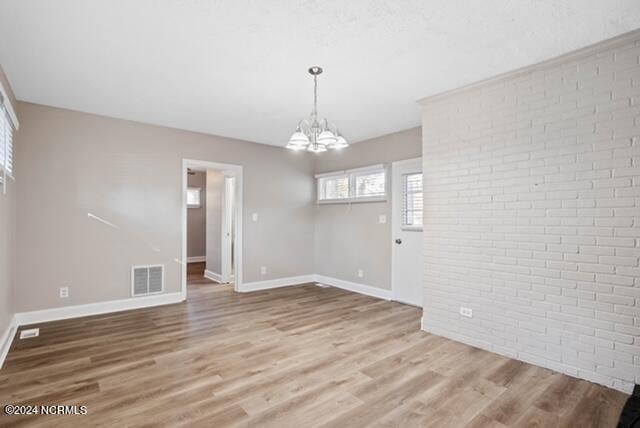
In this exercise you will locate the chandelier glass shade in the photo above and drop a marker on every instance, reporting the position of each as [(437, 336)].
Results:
[(314, 134)]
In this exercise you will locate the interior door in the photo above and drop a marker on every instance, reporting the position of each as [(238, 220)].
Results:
[(228, 226), (406, 228)]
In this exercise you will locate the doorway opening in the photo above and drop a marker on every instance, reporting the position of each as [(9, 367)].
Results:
[(211, 225)]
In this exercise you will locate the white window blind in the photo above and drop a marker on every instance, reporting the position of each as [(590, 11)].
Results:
[(3, 130), (333, 187), (193, 197), (355, 185), (369, 184), (6, 140), (412, 201)]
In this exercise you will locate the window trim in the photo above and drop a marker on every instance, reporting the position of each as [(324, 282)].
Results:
[(412, 228), (351, 174)]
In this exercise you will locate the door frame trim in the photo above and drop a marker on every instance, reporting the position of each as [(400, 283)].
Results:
[(394, 199)]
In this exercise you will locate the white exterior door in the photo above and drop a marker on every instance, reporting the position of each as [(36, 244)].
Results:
[(406, 194)]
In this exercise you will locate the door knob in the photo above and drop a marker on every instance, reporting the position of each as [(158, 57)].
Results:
[(398, 241)]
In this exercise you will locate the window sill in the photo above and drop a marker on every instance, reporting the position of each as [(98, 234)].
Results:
[(411, 228), (352, 200)]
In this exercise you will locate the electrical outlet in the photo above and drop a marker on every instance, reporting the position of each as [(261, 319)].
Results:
[(64, 292), (254, 216), (360, 273), (466, 312), (263, 270), (382, 219)]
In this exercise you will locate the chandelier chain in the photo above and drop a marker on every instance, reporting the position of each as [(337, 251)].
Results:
[(315, 96)]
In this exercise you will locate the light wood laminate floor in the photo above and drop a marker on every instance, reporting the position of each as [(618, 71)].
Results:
[(299, 356)]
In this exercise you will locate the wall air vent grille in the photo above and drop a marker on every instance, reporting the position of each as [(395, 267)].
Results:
[(147, 280)]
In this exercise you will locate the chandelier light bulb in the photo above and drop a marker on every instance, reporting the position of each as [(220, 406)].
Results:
[(298, 139), (295, 147), (327, 138), (340, 143), (317, 148)]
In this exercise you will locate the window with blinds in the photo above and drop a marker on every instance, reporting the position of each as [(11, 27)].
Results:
[(6, 141), (333, 187), (369, 184), (412, 201), (356, 185), (193, 197)]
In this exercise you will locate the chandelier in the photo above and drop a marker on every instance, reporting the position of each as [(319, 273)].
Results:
[(313, 134)]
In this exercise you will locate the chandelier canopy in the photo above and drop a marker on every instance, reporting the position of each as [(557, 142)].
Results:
[(313, 134)]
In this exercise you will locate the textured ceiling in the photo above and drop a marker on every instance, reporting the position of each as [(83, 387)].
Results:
[(237, 68)]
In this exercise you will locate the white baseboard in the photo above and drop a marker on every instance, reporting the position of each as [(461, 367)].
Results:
[(67, 312), (54, 314), (334, 282), (355, 287), (7, 339), (213, 276), (196, 259), (276, 283)]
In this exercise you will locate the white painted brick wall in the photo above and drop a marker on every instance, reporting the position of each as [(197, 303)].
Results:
[(532, 215)]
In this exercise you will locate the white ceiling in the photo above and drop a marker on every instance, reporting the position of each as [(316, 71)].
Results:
[(237, 68)]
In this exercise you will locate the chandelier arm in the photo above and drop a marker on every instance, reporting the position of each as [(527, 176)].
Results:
[(303, 125)]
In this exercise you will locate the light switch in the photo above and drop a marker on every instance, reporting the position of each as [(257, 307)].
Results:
[(382, 219), (254, 216)]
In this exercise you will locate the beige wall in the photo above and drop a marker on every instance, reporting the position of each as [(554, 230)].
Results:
[(197, 217), (215, 194), (72, 164), (348, 237), (8, 236)]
